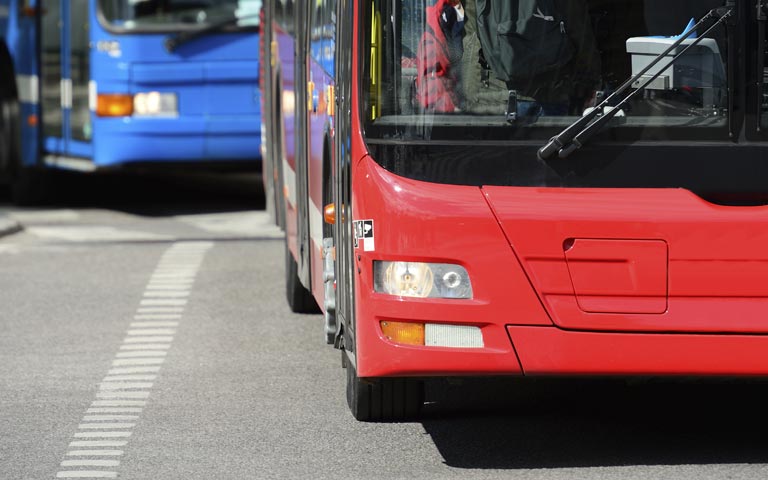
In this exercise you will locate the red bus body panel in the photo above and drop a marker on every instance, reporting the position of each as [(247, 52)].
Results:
[(646, 260), (553, 351), (437, 223), (567, 281), (287, 86)]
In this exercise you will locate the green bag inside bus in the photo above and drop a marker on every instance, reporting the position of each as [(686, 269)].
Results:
[(522, 38), (534, 47)]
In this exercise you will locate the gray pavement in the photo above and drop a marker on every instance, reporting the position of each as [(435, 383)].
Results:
[(248, 390), (8, 225)]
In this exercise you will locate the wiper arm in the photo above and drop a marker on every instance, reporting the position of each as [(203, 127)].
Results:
[(576, 134), (174, 42)]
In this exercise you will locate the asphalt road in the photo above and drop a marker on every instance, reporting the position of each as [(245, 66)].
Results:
[(144, 335)]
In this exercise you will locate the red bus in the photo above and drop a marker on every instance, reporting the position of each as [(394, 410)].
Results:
[(456, 205)]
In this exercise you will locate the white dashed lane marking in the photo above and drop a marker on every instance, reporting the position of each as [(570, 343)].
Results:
[(108, 423), (80, 233), (159, 310), (94, 453), (155, 324), (145, 346)]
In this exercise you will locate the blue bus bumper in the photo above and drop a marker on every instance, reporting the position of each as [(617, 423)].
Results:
[(207, 140)]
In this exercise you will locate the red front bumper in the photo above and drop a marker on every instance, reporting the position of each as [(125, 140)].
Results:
[(540, 262)]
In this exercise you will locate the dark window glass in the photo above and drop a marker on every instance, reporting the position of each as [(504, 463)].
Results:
[(154, 14), (430, 75)]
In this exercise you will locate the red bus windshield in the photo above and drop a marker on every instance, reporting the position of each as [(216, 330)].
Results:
[(469, 70), (472, 91)]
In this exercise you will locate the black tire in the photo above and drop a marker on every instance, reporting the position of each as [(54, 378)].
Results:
[(383, 399), (300, 300)]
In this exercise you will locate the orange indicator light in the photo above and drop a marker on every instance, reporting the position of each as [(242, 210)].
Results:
[(331, 100), (403, 333), (329, 213), (114, 105)]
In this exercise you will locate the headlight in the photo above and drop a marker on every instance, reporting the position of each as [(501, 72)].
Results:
[(155, 104), (422, 280)]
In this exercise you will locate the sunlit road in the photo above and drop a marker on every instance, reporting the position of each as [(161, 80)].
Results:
[(145, 335)]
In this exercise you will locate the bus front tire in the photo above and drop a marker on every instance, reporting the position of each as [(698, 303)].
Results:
[(300, 300), (383, 399)]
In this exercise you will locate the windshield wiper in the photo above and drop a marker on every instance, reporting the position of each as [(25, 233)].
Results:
[(579, 132), (173, 42)]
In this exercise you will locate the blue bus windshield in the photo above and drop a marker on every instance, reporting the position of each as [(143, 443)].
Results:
[(173, 15)]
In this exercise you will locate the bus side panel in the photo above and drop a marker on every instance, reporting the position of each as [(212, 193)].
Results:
[(19, 33), (318, 124), (265, 85), (285, 63)]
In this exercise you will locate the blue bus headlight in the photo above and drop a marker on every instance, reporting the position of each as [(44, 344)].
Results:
[(155, 104), (421, 280)]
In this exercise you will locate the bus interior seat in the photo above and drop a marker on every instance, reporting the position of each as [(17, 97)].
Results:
[(700, 70)]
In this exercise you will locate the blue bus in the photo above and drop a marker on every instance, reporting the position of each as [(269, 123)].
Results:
[(93, 85)]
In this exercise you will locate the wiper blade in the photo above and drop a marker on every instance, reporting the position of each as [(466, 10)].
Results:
[(576, 134), (173, 42)]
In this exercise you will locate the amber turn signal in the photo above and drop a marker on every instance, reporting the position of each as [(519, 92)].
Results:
[(114, 105), (329, 213), (403, 333), (330, 97)]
